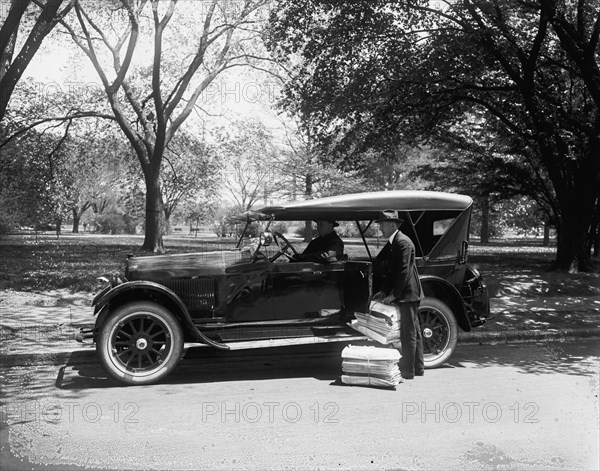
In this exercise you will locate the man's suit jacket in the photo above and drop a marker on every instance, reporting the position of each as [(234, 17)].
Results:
[(401, 276)]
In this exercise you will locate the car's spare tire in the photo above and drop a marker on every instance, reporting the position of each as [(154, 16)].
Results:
[(139, 343), (439, 330)]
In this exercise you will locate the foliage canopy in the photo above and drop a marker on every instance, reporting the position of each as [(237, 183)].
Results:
[(519, 81)]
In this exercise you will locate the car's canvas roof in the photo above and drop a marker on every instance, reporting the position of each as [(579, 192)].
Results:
[(366, 206)]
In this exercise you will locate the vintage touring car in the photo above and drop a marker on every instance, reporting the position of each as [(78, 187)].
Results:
[(222, 298)]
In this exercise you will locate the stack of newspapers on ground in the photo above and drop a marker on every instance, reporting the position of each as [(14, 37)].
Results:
[(370, 366), (381, 323)]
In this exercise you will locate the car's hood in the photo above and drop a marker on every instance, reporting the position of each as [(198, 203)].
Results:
[(188, 265)]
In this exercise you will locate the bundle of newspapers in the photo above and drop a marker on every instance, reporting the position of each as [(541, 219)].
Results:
[(381, 323), (370, 366)]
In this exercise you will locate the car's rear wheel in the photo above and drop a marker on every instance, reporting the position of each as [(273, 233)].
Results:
[(140, 343), (439, 330)]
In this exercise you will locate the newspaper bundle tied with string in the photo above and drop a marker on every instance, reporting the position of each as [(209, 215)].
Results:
[(381, 323), (370, 365)]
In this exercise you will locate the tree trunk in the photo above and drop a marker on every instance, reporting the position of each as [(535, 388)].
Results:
[(167, 221), (76, 219), (485, 219), (594, 238), (58, 222), (307, 231), (8, 33), (546, 242), (153, 241), (572, 249), (580, 211), (308, 182), (43, 25), (77, 213)]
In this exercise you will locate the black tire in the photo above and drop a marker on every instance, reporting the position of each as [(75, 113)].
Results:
[(140, 343), (439, 330)]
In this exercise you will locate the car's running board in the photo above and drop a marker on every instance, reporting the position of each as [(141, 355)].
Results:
[(289, 342)]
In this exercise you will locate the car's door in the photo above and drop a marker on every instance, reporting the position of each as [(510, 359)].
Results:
[(267, 291)]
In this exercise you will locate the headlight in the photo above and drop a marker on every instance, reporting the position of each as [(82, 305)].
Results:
[(111, 281)]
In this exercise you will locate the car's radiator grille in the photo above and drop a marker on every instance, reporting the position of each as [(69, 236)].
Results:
[(197, 294)]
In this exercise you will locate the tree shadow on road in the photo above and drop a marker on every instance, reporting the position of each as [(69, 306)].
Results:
[(573, 357)]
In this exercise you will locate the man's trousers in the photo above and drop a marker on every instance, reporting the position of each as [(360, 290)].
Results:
[(411, 339)]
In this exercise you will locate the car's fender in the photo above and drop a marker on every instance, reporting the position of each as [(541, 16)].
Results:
[(443, 290), (145, 290)]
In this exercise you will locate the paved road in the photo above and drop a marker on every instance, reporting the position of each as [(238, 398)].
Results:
[(528, 406)]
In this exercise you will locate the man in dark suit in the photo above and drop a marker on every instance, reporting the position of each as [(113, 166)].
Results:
[(326, 248), (401, 286)]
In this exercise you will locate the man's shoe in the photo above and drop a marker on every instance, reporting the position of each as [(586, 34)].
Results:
[(407, 375), (420, 373)]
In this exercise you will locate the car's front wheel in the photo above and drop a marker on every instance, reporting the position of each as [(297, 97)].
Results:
[(140, 343), (439, 330)]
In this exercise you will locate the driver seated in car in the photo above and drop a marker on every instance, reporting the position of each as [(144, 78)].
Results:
[(326, 247)]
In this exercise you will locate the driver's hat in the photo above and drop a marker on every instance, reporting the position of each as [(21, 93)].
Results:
[(331, 221)]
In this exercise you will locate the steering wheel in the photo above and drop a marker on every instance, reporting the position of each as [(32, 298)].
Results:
[(284, 246)]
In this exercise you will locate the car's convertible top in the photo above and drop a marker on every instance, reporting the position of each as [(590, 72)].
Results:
[(362, 206)]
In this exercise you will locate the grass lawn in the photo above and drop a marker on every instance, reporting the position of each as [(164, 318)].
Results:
[(74, 261)]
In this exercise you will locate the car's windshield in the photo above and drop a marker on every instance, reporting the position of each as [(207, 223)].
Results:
[(425, 228)]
